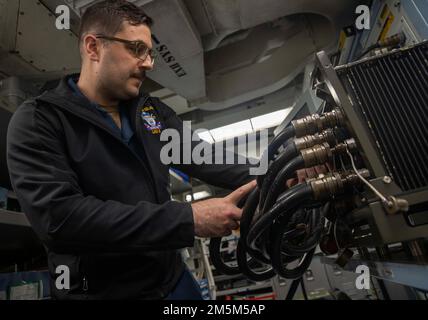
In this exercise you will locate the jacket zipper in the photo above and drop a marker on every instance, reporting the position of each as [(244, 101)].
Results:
[(138, 129)]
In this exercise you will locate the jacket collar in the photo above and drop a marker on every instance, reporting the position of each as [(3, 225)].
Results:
[(63, 97)]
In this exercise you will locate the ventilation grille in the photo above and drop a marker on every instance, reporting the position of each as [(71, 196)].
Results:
[(391, 92)]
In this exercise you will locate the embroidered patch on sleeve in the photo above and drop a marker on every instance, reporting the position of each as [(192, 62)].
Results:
[(150, 121)]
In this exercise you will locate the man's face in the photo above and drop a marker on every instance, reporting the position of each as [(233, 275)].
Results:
[(120, 71)]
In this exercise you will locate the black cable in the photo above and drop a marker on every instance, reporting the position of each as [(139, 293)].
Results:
[(280, 139), (286, 156), (383, 289), (280, 266), (292, 198), (248, 216), (293, 289), (394, 41), (279, 226), (305, 294), (217, 261), (278, 185), (290, 204), (315, 233), (245, 268), (249, 210), (310, 242), (273, 147), (215, 247)]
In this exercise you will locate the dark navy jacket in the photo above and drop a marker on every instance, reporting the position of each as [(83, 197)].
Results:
[(99, 207)]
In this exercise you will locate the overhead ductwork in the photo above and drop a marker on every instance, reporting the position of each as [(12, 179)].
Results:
[(265, 61), (213, 53), (175, 37), (253, 48), (249, 48)]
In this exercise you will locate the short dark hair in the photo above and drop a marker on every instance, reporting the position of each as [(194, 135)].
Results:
[(107, 17)]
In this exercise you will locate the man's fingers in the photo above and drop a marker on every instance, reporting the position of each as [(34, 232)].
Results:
[(235, 214), (233, 225), (241, 192)]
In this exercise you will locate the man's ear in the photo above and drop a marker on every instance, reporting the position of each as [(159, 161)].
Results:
[(91, 47)]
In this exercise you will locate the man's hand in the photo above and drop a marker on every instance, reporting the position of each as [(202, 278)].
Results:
[(217, 217)]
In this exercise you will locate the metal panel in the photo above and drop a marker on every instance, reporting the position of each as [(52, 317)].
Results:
[(180, 66), (391, 92), (385, 103), (372, 226), (408, 274), (417, 12), (356, 123), (8, 21), (36, 25), (397, 228)]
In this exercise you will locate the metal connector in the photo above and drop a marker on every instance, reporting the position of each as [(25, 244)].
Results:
[(322, 153), (335, 184), (342, 148), (327, 187), (312, 140), (333, 119), (316, 123), (316, 155)]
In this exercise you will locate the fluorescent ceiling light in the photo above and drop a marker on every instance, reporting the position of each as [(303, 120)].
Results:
[(206, 135), (241, 128), (232, 130), (270, 120)]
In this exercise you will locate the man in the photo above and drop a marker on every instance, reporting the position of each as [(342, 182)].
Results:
[(84, 160)]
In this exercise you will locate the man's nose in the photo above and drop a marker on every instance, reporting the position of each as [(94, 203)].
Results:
[(146, 64)]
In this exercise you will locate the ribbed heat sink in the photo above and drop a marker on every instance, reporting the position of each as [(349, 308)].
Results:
[(391, 92)]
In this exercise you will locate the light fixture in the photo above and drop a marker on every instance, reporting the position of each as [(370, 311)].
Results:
[(241, 128), (206, 136), (232, 130), (270, 120)]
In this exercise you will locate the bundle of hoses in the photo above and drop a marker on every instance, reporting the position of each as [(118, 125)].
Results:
[(281, 226)]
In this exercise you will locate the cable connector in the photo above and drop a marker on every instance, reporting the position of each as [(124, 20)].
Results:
[(336, 183), (316, 155), (312, 140), (316, 123), (322, 153), (342, 148)]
